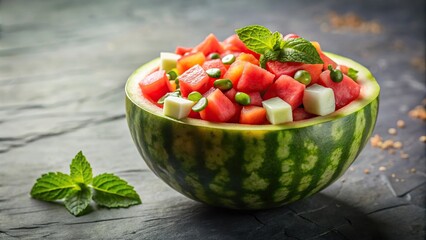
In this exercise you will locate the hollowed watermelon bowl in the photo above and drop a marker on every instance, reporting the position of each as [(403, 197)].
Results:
[(251, 166)]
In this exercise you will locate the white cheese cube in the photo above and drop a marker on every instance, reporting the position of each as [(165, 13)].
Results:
[(177, 107), (168, 61), (319, 100), (277, 110)]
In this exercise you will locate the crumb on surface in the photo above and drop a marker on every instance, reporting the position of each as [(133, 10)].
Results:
[(382, 168), (392, 131), (400, 123), (352, 21), (418, 112), (397, 145), (367, 171), (404, 155)]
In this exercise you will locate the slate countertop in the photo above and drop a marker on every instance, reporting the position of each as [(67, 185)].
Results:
[(63, 66)]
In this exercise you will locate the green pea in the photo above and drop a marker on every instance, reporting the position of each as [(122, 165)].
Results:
[(242, 98), (194, 96), (228, 59), (172, 75), (223, 84), (303, 76), (200, 105), (214, 72), (214, 56), (335, 75)]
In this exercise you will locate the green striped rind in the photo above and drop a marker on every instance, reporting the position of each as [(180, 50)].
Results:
[(251, 167)]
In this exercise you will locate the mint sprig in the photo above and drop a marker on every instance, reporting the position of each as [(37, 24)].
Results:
[(272, 47), (77, 189)]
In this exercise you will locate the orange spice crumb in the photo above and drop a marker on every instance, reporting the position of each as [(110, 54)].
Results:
[(418, 112)]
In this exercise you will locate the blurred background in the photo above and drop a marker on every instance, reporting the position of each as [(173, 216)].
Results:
[(64, 63)]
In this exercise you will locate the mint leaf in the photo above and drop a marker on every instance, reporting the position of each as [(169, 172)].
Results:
[(78, 188), (352, 73), (53, 186), (299, 50), (269, 56), (78, 201), (111, 191), (257, 38), (272, 47), (81, 171)]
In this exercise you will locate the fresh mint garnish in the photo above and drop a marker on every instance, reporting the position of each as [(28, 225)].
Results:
[(77, 189), (352, 73), (111, 191), (78, 201), (273, 47), (53, 186), (80, 169)]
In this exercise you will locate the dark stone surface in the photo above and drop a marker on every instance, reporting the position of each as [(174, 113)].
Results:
[(63, 66)]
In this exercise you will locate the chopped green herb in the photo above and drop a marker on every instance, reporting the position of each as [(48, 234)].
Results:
[(352, 73)]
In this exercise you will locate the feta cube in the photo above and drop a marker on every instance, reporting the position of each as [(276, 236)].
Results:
[(168, 60), (177, 107), (319, 100), (277, 110)]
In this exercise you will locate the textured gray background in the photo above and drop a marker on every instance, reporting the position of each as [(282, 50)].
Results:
[(63, 66)]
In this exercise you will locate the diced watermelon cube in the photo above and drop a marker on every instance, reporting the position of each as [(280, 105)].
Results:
[(183, 50), (248, 58), (344, 92), (252, 115), (234, 72), (234, 44), (231, 94), (155, 85), (209, 45), (300, 114), (288, 89), (254, 79), (219, 108), (255, 99), (190, 60), (194, 79), (290, 68)]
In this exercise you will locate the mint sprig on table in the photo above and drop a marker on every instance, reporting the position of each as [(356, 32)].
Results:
[(273, 47), (80, 187)]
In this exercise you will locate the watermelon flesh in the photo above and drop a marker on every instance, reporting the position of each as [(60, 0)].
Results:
[(247, 76)]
